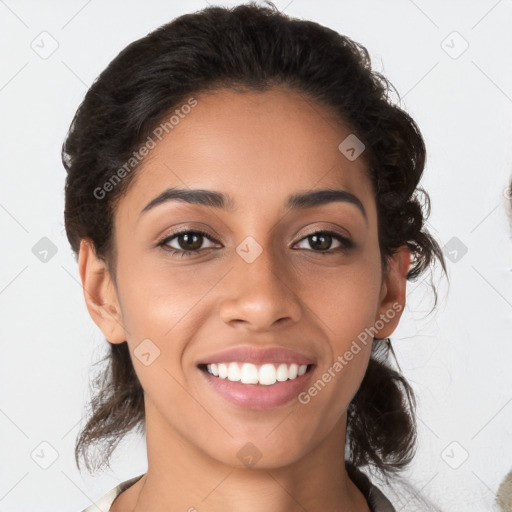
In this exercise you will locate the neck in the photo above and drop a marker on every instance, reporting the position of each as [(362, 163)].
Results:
[(181, 477)]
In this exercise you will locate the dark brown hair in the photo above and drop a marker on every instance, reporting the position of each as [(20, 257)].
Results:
[(255, 48)]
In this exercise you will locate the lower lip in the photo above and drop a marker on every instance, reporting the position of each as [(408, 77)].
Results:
[(258, 396)]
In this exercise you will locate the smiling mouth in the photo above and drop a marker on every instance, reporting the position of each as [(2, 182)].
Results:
[(266, 374)]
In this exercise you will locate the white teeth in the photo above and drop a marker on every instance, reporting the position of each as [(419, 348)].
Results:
[(248, 373), (233, 372), (223, 371), (282, 372), (293, 370), (267, 374)]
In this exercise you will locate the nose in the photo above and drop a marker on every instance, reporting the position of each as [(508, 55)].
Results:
[(260, 294)]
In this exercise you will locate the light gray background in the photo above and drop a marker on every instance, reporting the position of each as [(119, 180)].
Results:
[(457, 358)]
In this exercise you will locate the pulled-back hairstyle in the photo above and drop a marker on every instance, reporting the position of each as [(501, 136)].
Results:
[(251, 48)]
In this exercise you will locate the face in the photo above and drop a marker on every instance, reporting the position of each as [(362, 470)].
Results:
[(261, 273)]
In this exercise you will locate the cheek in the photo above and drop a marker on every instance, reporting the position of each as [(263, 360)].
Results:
[(162, 310), (346, 299), (346, 304), (157, 298)]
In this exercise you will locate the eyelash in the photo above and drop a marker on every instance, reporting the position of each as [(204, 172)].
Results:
[(346, 244)]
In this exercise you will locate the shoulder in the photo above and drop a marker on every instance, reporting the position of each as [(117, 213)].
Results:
[(105, 502)]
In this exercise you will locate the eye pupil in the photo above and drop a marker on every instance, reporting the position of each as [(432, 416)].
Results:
[(188, 237), (321, 246)]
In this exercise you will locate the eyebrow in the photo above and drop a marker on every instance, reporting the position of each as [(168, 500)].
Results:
[(219, 200)]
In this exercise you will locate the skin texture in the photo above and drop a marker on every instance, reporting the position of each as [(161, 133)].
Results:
[(259, 148)]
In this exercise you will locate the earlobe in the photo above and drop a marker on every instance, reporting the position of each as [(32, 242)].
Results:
[(100, 294), (393, 292)]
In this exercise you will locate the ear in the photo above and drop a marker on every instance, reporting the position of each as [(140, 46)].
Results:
[(100, 293), (392, 298)]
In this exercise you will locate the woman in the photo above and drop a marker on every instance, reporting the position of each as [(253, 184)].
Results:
[(242, 198)]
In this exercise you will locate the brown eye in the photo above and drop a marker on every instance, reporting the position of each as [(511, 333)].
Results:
[(188, 242), (322, 241)]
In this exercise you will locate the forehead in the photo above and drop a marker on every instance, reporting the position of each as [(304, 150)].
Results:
[(252, 146)]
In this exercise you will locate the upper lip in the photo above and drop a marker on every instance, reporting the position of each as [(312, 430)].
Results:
[(257, 355)]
